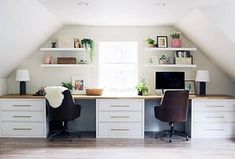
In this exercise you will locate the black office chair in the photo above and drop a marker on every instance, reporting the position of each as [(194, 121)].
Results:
[(173, 109), (59, 117)]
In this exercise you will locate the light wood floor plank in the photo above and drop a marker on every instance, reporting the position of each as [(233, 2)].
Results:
[(91, 148)]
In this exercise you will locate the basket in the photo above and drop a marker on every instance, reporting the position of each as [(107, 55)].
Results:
[(94, 91)]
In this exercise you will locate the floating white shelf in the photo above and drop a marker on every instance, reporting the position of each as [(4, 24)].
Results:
[(63, 49), (66, 65), (170, 49), (170, 65)]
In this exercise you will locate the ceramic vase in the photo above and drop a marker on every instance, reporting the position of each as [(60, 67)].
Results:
[(176, 42)]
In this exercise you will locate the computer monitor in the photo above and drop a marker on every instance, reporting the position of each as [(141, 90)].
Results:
[(169, 80)]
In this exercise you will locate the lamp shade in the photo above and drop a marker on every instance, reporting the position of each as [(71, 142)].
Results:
[(202, 76), (22, 75)]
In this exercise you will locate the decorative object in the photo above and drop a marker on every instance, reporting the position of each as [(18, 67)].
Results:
[(48, 59), (162, 41), (142, 88), (94, 91), (79, 82), (66, 60), (53, 43), (150, 42), (89, 45), (202, 77), (163, 60), (176, 41), (190, 85), (22, 75), (68, 85), (77, 43)]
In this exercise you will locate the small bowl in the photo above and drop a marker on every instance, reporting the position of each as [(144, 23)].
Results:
[(94, 91)]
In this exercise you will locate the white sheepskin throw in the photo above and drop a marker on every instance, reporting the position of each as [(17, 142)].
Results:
[(54, 95)]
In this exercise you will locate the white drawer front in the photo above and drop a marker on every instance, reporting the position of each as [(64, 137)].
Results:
[(213, 130), (22, 116), (120, 104), (120, 116), (213, 106), (120, 130), (22, 129), (214, 116), (23, 105)]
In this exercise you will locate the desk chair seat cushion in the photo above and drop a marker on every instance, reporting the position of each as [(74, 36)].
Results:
[(54, 95)]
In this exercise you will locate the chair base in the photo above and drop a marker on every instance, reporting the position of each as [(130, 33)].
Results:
[(171, 133), (61, 131)]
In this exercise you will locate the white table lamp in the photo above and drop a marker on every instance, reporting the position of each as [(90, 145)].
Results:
[(202, 77), (22, 76)]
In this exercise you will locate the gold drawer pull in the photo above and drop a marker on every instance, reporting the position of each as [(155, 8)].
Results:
[(115, 117), (214, 129), (119, 129), (219, 117), (215, 106), (21, 116), (22, 129), (18, 105), (120, 106)]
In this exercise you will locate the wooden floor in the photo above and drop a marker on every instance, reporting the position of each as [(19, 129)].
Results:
[(91, 148)]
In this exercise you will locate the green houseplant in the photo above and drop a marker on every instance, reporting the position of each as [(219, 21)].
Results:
[(68, 85), (89, 45), (150, 42), (142, 88)]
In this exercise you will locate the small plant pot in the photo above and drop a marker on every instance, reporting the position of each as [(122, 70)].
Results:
[(150, 45), (140, 93), (176, 43)]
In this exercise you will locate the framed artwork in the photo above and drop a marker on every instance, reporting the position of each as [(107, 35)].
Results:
[(162, 41), (190, 85), (79, 82)]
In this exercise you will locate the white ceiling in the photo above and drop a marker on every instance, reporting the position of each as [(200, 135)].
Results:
[(124, 12)]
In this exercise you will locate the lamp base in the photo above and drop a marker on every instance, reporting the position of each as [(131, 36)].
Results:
[(202, 89), (22, 88)]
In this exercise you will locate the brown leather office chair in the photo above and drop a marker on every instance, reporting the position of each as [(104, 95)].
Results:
[(59, 117), (173, 109)]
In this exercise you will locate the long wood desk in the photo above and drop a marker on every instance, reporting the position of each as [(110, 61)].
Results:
[(210, 116)]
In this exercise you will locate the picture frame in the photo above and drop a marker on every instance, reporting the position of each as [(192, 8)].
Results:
[(79, 81), (190, 85), (162, 41)]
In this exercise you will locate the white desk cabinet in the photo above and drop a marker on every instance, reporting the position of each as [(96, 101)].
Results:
[(120, 118), (23, 118), (213, 118)]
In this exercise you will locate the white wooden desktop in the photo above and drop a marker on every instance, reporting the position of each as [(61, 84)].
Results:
[(117, 116)]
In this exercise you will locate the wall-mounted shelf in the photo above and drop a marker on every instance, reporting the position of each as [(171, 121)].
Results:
[(66, 65), (170, 65), (63, 49), (169, 49)]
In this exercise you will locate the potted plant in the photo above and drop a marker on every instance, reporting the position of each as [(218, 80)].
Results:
[(150, 42), (176, 41), (89, 45), (142, 88), (68, 85)]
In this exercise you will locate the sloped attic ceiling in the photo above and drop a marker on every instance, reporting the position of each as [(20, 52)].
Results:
[(24, 25), (212, 41)]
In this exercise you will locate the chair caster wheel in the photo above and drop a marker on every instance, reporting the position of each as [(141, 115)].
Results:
[(170, 141), (187, 138)]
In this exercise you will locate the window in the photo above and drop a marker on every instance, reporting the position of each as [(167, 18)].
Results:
[(118, 67)]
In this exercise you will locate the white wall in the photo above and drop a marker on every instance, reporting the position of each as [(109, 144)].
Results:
[(219, 84), (3, 86), (54, 76), (222, 16), (24, 25)]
